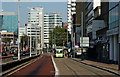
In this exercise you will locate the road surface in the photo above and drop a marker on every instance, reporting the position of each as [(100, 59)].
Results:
[(69, 67), (46, 66), (41, 67)]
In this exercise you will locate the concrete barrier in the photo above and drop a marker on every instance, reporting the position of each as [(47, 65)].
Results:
[(9, 65)]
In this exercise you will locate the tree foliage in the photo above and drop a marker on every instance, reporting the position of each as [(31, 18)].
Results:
[(58, 36)]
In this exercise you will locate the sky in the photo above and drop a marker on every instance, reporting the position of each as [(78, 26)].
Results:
[(60, 7), (36, 0)]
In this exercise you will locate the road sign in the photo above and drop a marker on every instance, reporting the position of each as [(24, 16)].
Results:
[(84, 41)]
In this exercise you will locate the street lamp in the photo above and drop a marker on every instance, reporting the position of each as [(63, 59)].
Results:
[(36, 39), (30, 40), (18, 29)]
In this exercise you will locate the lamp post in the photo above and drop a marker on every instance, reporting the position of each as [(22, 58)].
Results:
[(30, 40), (36, 40), (18, 29), (82, 35)]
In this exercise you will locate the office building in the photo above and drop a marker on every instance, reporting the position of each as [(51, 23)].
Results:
[(100, 22), (36, 18), (113, 32), (80, 7), (9, 22), (51, 20), (71, 10), (34, 32), (8, 38)]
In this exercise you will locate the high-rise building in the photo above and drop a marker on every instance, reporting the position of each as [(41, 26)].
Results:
[(46, 29), (113, 32), (33, 30), (9, 22), (80, 7), (51, 20), (71, 9), (36, 18), (35, 33), (1, 22), (100, 27)]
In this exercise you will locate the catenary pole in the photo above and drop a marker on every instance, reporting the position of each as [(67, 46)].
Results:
[(18, 29)]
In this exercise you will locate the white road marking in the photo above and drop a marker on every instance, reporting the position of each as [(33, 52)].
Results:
[(56, 69)]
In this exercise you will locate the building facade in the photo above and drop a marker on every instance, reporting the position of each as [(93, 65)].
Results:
[(8, 38), (51, 20), (36, 18), (80, 8), (113, 31), (34, 32), (9, 22), (101, 20), (46, 29), (71, 10)]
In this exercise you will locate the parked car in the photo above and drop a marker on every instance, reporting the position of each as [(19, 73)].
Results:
[(33, 53), (25, 52), (4, 53), (15, 54), (12, 51)]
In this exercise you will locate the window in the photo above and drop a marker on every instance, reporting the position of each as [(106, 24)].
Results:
[(113, 18)]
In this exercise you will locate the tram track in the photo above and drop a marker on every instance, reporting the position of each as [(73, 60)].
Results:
[(92, 69), (87, 69), (73, 71)]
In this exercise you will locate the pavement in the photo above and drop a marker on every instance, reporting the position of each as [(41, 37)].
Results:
[(113, 68)]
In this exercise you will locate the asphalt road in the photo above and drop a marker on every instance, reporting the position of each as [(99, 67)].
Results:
[(41, 67), (45, 66), (70, 68)]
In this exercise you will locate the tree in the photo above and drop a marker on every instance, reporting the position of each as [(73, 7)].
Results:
[(58, 36)]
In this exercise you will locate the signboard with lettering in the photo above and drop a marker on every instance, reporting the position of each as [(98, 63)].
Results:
[(84, 41)]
